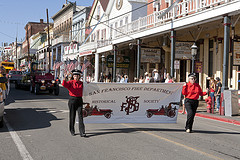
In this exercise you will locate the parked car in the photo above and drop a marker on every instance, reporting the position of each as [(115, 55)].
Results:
[(1, 109), (2, 80), (14, 76)]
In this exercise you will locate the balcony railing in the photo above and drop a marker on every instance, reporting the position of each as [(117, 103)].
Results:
[(88, 46), (180, 10), (60, 40), (103, 43)]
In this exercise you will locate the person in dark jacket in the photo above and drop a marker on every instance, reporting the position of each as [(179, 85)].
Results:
[(75, 103), (192, 91)]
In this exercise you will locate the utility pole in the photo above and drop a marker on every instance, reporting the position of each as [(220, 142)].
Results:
[(28, 57), (16, 56), (49, 58)]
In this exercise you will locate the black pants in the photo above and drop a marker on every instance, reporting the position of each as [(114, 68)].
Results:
[(75, 104), (191, 107)]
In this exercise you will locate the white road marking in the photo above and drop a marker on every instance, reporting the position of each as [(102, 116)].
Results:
[(21, 147)]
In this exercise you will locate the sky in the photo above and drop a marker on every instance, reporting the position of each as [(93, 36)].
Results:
[(15, 14)]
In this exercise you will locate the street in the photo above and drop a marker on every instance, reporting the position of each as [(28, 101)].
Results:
[(37, 128)]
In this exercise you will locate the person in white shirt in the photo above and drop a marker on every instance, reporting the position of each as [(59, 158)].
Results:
[(167, 78), (147, 78), (156, 76), (122, 79)]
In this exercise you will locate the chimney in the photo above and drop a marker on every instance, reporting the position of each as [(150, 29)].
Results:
[(41, 20)]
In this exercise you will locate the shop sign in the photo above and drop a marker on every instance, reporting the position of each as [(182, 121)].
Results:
[(236, 54), (122, 61), (176, 64), (183, 50), (41, 56), (85, 53), (198, 67), (150, 55)]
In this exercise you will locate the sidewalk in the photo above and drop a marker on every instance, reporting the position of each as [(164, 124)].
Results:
[(202, 112)]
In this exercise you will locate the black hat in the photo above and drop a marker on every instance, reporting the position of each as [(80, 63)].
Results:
[(76, 72), (192, 75)]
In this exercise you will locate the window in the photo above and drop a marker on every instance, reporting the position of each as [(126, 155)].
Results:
[(98, 36), (103, 34), (93, 37), (126, 20), (121, 23), (116, 25), (98, 10), (156, 5), (111, 29)]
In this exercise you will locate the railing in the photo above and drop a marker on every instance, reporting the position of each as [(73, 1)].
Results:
[(103, 43), (60, 40), (180, 10), (87, 46)]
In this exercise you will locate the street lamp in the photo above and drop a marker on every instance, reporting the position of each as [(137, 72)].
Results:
[(103, 59), (194, 53)]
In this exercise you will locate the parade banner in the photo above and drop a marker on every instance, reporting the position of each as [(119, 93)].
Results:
[(131, 102)]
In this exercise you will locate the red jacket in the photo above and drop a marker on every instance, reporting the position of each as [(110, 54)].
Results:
[(192, 91), (75, 88)]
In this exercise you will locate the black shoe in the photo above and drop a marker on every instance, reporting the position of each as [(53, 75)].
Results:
[(83, 135), (72, 133)]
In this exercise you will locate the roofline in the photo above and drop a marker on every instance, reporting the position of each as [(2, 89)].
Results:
[(69, 5), (93, 8)]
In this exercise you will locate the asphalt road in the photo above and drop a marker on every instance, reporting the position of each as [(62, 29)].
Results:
[(37, 128)]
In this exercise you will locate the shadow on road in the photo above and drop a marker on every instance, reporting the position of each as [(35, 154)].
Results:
[(29, 118), (131, 130)]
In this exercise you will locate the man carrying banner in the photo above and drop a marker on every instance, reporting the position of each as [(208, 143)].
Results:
[(191, 90), (75, 103)]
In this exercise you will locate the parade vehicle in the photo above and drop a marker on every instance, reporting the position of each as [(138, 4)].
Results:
[(37, 81), (24, 82), (15, 75), (94, 111), (167, 110), (8, 65)]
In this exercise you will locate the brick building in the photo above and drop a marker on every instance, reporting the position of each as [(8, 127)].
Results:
[(31, 28)]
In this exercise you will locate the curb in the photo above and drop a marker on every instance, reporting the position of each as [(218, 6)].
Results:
[(235, 122)]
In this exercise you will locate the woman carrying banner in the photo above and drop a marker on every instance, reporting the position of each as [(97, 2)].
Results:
[(192, 91), (75, 103)]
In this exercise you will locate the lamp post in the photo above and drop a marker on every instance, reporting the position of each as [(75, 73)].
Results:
[(101, 75), (103, 59), (194, 53)]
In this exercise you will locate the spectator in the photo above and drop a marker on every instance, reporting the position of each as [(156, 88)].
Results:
[(109, 77), (147, 78), (167, 78), (122, 79), (156, 76), (212, 88), (218, 92), (141, 79), (170, 79), (125, 79)]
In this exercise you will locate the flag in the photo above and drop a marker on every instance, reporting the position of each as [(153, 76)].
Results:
[(59, 64), (55, 65), (86, 63), (70, 66), (76, 64)]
